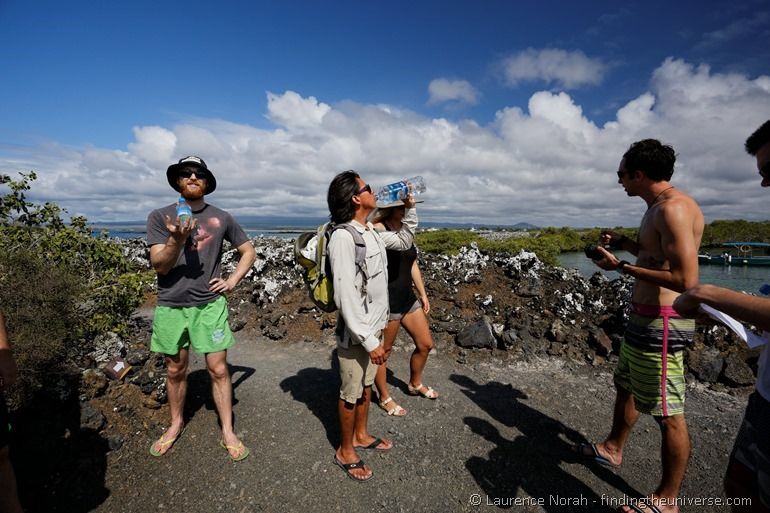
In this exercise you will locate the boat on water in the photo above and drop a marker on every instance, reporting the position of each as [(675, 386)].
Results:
[(737, 253)]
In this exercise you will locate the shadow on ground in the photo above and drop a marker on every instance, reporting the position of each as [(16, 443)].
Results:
[(199, 390), (530, 462), (59, 467), (318, 389)]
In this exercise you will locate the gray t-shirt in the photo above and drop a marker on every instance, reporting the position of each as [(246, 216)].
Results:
[(187, 283)]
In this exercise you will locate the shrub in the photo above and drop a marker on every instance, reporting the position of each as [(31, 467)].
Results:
[(59, 286)]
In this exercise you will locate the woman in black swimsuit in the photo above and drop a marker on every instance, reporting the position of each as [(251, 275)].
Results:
[(405, 310)]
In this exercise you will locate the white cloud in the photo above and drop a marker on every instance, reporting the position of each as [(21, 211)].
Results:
[(552, 65), (293, 111), (443, 90), (547, 163)]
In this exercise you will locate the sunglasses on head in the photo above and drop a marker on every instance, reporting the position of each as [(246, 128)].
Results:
[(365, 188)]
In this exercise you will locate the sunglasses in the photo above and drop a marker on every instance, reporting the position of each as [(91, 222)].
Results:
[(765, 170), (187, 173), (365, 188), (621, 174)]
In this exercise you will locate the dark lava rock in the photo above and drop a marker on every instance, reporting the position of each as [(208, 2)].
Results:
[(93, 383), (478, 334), (91, 418), (115, 442), (137, 356), (706, 365), (599, 341), (737, 372)]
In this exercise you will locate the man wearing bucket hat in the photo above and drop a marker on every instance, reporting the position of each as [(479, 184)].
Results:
[(192, 310)]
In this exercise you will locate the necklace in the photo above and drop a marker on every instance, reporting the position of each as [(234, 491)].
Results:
[(655, 200)]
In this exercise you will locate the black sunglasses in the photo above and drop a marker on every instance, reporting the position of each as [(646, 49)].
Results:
[(187, 173), (621, 173), (765, 170), (365, 188)]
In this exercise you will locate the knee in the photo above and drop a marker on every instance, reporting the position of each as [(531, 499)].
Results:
[(176, 372), (424, 346), (219, 371)]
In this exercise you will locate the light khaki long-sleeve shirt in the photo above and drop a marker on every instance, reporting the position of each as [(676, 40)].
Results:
[(365, 315)]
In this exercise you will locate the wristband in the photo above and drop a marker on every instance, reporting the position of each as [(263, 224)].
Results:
[(621, 268)]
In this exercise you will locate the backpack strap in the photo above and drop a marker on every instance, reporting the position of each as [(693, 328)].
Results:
[(358, 239)]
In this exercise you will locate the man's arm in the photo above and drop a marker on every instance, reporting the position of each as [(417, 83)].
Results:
[(404, 238), (750, 309), (247, 258), (679, 249), (163, 257), (8, 371), (342, 256)]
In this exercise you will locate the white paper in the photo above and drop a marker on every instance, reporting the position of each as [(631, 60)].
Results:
[(752, 339)]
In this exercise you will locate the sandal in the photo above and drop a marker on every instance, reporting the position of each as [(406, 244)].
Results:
[(395, 411), (428, 393), (347, 467), (241, 450), (164, 445)]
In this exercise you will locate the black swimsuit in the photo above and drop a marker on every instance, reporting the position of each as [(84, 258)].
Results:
[(400, 292)]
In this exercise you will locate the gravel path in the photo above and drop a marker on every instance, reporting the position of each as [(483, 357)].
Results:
[(498, 434)]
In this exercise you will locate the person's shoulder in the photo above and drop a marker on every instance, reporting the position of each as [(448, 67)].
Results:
[(162, 211)]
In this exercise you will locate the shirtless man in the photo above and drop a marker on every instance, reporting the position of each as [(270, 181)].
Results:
[(666, 264)]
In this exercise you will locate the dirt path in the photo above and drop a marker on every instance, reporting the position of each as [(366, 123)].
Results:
[(496, 433)]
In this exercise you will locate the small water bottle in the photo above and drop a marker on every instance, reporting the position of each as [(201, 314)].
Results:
[(183, 210), (400, 190)]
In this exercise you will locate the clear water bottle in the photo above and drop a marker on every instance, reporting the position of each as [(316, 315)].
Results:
[(183, 210), (400, 190)]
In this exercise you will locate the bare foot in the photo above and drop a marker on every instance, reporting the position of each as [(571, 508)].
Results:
[(371, 442)]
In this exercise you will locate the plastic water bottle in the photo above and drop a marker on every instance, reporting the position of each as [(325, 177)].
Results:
[(400, 190), (183, 210)]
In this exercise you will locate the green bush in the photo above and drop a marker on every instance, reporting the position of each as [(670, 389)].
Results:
[(59, 286)]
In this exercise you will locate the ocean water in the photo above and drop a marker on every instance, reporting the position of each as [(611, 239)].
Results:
[(740, 278)]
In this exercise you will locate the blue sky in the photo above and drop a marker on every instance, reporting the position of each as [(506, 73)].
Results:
[(513, 111)]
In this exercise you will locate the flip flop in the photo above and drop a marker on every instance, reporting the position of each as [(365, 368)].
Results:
[(163, 443), (396, 411), (375, 446), (242, 449), (579, 449), (347, 467)]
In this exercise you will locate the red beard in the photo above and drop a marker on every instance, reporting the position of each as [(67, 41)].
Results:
[(193, 193)]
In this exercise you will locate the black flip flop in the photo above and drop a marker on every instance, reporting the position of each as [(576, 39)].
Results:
[(375, 446), (347, 467), (579, 449)]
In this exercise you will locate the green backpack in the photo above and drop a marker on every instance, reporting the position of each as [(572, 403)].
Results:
[(317, 271)]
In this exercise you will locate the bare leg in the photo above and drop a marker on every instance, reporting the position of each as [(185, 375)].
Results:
[(361, 436), (9, 499), (222, 391), (346, 453), (416, 324), (381, 378), (675, 451), (624, 418), (176, 382)]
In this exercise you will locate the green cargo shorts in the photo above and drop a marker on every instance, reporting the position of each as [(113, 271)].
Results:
[(204, 328)]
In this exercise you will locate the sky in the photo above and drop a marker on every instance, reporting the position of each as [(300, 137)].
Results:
[(512, 111)]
